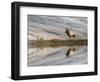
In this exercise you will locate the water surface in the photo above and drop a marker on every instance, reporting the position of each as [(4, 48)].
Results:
[(64, 55)]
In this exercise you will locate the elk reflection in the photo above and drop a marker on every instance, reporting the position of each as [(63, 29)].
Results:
[(71, 52)]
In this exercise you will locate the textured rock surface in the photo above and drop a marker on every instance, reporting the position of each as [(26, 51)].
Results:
[(51, 27)]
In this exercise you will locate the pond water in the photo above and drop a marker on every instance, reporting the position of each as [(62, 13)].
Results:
[(50, 56)]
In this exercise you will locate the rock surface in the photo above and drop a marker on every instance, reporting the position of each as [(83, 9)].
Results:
[(53, 27)]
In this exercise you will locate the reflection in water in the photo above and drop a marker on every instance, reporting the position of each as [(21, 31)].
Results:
[(70, 52), (48, 56)]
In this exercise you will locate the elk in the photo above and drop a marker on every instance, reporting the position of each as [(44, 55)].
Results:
[(70, 34)]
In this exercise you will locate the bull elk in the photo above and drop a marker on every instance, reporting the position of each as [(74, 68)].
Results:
[(70, 34)]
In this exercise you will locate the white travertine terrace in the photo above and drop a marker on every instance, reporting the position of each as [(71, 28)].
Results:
[(51, 27)]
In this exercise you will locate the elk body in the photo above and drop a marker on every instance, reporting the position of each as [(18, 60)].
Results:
[(70, 34)]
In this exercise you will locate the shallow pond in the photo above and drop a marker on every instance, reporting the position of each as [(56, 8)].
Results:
[(64, 55)]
